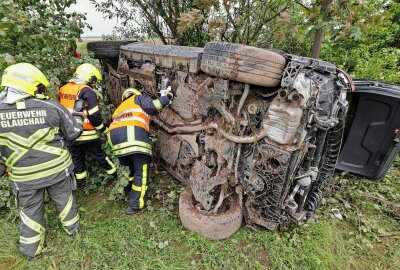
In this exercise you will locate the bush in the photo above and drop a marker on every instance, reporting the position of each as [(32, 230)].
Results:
[(42, 33), (6, 193)]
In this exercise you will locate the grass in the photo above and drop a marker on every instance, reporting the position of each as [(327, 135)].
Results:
[(108, 239)]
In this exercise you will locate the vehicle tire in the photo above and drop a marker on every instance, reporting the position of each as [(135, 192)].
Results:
[(106, 49), (243, 63), (211, 226)]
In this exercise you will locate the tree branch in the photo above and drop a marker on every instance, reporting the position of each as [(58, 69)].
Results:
[(389, 234), (152, 21), (302, 5), (267, 20), (383, 201)]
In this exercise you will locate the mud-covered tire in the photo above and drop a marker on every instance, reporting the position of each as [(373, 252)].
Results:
[(106, 49), (243, 63), (211, 226)]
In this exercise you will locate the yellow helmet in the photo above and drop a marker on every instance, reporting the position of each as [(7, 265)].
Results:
[(129, 92), (24, 77), (88, 72)]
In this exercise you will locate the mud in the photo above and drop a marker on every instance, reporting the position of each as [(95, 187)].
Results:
[(244, 124), (215, 227)]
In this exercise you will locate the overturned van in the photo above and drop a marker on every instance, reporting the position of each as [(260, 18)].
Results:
[(251, 132)]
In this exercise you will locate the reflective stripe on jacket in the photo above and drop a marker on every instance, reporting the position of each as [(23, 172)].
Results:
[(69, 93), (129, 131), (32, 142), (130, 114)]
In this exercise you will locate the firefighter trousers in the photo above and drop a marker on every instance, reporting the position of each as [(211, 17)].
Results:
[(139, 175), (93, 150), (30, 204)]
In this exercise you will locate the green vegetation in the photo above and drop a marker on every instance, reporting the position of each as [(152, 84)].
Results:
[(109, 239), (42, 33), (360, 36)]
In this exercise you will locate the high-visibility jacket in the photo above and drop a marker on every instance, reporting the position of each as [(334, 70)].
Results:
[(71, 92), (129, 131), (32, 142)]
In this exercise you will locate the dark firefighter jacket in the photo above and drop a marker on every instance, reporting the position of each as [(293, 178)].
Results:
[(93, 121), (32, 141), (129, 131)]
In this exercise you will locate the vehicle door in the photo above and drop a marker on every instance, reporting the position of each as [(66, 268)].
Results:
[(371, 139)]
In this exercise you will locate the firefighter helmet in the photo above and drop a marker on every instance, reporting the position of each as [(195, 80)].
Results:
[(89, 73), (129, 92), (24, 77)]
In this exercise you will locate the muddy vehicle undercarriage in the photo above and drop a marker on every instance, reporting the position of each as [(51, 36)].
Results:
[(250, 132)]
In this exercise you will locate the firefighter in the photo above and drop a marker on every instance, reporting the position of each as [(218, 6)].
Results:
[(33, 134), (130, 141), (81, 88)]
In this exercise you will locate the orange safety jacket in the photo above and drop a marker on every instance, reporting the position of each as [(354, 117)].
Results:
[(68, 95), (131, 122), (130, 114)]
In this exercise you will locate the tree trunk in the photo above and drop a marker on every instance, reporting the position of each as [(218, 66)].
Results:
[(316, 47), (319, 35)]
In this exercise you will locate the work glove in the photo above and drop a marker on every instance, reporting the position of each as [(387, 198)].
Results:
[(78, 116), (167, 92)]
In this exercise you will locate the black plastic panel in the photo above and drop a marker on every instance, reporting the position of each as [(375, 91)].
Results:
[(371, 146)]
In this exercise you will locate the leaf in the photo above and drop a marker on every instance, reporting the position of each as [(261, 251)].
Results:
[(347, 205), (356, 33), (9, 59), (162, 245), (188, 20)]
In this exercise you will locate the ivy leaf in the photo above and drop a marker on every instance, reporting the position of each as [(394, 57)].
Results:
[(9, 59), (356, 33)]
